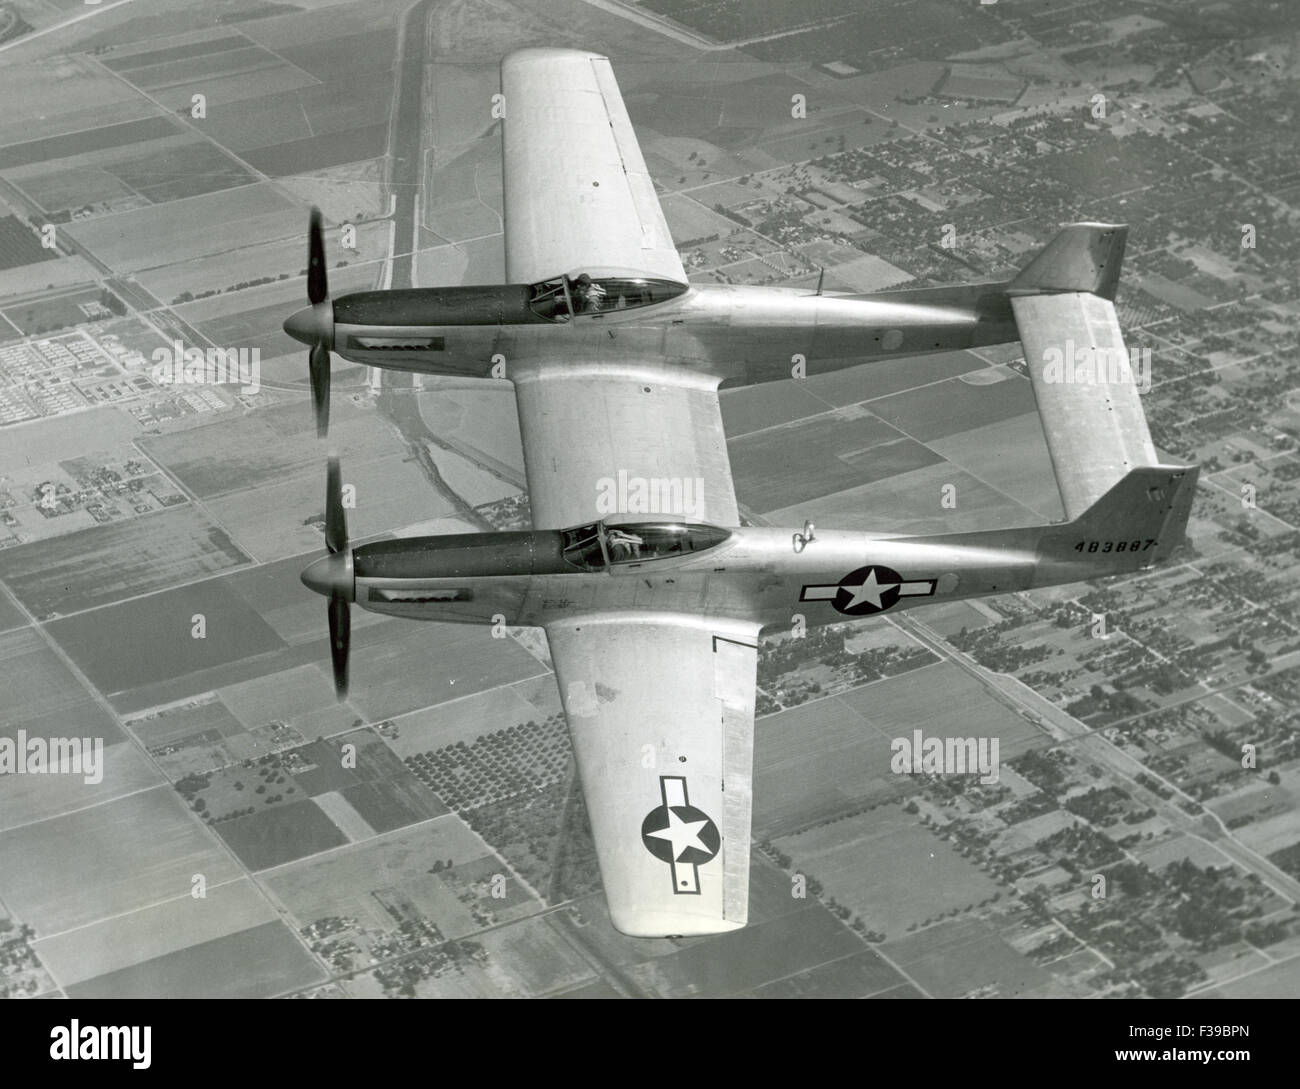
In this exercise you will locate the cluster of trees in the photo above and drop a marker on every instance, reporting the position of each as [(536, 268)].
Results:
[(190, 296), (1105, 706)]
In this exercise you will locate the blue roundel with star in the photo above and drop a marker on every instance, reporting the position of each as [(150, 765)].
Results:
[(870, 589)]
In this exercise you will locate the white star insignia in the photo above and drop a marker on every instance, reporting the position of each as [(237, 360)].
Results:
[(683, 835), (870, 590)]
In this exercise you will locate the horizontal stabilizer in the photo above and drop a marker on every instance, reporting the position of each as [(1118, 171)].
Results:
[(1087, 387), (1082, 257)]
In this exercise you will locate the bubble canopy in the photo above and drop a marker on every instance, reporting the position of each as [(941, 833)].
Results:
[(598, 291), (597, 545)]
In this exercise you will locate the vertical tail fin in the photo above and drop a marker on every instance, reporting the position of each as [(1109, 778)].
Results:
[(1086, 382), (1139, 522), (1082, 257)]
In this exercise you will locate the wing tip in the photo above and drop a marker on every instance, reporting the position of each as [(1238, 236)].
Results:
[(635, 922), (545, 54)]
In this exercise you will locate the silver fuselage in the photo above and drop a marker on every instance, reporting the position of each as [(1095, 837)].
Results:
[(765, 576), (739, 334)]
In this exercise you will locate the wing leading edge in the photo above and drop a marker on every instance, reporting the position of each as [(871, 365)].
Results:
[(661, 712)]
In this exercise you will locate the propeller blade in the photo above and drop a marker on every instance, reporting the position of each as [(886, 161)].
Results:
[(340, 641), (318, 364), (336, 522), (317, 285)]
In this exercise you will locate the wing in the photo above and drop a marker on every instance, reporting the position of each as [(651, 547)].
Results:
[(661, 711), (623, 440), (577, 192)]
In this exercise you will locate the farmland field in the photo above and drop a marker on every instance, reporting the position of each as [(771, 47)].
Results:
[(112, 858), (947, 408), (20, 245), (1010, 455), (187, 170), (266, 446), (127, 60), (42, 696), (752, 408), (397, 797), (108, 563), (911, 502), (153, 931), (1277, 981), (209, 66), (943, 700), (319, 152), (282, 256), (50, 312), (282, 833), (887, 869), (30, 798), (162, 645), (835, 452), (405, 666), (330, 58), (74, 95), (77, 143), (270, 519), (183, 230), (253, 318), (260, 962), (857, 975), (466, 720), (856, 128), (689, 219), (10, 615), (287, 696), (814, 760), (177, 724), (233, 90), (537, 959), (744, 959), (343, 882), (959, 955), (58, 190)]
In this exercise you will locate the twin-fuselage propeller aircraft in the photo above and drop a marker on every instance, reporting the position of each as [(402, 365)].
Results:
[(653, 606)]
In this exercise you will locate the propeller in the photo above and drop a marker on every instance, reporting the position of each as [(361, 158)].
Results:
[(336, 521), (336, 541), (340, 641), (314, 325), (317, 286), (332, 577)]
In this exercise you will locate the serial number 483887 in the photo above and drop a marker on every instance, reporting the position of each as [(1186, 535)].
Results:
[(1135, 545)]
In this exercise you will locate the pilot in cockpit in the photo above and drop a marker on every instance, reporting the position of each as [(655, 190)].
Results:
[(623, 545), (588, 295)]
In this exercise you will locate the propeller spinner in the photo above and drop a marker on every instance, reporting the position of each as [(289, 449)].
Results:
[(332, 577), (314, 325)]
